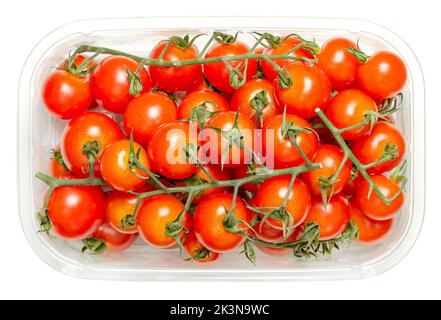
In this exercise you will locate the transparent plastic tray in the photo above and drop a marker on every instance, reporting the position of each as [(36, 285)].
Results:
[(38, 132)]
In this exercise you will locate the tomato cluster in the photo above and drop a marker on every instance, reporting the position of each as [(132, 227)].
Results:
[(212, 149)]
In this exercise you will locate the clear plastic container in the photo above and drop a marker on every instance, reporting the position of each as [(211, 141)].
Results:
[(38, 132)]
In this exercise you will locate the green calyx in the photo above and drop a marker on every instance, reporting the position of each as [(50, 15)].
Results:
[(258, 104), (225, 38), (94, 246)]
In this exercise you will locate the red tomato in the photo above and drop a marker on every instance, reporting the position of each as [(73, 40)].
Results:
[(166, 150), (330, 158), (76, 211), (209, 100), (145, 113), (197, 251), (352, 186), (333, 218), (272, 194), (348, 108), (217, 73), (115, 241), (154, 216), (325, 135), (173, 79), (66, 95), (279, 149), (281, 252), (118, 206), (209, 226), (310, 89), (256, 100), (369, 231), (384, 139), (371, 204), (200, 84), (115, 167), (265, 232), (111, 85), (91, 127), (280, 49), (339, 65), (57, 167), (242, 172), (383, 75)]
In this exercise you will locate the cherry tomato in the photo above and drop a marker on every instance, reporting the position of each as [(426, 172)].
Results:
[(114, 241), (339, 65), (330, 158), (310, 89), (110, 82), (348, 108), (118, 206), (200, 84), (197, 251), (167, 150), (145, 113), (371, 204), (66, 95), (383, 75), (333, 218), (272, 195), (89, 128), (209, 219), (154, 216), (76, 211), (217, 73), (280, 252), (279, 149), (352, 186), (196, 104), (281, 49), (173, 79), (384, 140), (57, 167), (265, 232), (242, 172), (369, 231), (325, 135), (256, 100)]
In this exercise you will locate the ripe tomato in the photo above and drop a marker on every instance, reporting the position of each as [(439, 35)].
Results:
[(217, 73), (153, 217), (310, 89), (217, 143), (242, 172), (76, 211), (89, 128), (145, 113), (280, 252), (110, 82), (280, 49), (330, 158), (279, 149), (118, 206), (171, 79), (348, 108), (114, 241), (197, 251), (371, 204), (325, 135), (339, 65), (196, 104), (166, 150), (265, 232), (57, 167), (369, 231), (333, 218), (66, 95), (209, 225), (272, 194), (200, 84), (256, 100), (115, 166), (384, 139), (352, 186), (383, 75)]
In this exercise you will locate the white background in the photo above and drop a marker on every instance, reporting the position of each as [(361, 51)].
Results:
[(24, 275)]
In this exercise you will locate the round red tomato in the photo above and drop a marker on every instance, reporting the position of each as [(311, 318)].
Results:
[(280, 252), (217, 73), (383, 75), (384, 142), (272, 194), (310, 89), (145, 113), (57, 167), (91, 130), (255, 100), (352, 186), (111, 84), (118, 206), (348, 108), (339, 65), (242, 172), (209, 225), (173, 79), (113, 241), (333, 218), (265, 232), (371, 204), (76, 211), (197, 251)]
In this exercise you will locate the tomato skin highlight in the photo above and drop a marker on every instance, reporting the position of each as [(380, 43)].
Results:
[(371, 204), (118, 205), (88, 127), (146, 113), (115, 241), (76, 211), (66, 95), (110, 83)]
